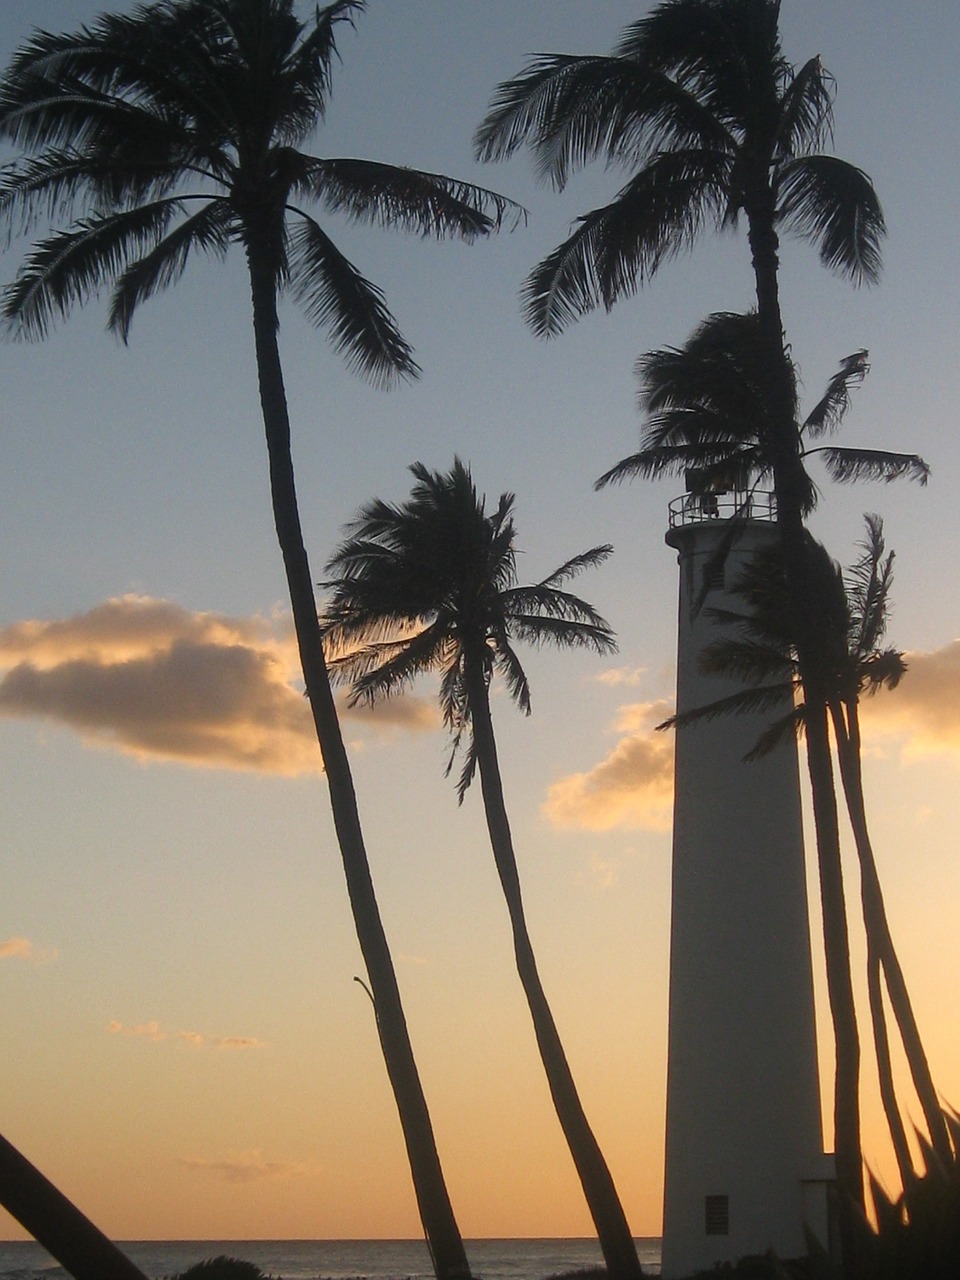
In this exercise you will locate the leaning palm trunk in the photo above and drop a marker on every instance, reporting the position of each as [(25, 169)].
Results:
[(613, 1232), (787, 475), (847, 730), (881, 1043), (436, 1213), (57, 1224)]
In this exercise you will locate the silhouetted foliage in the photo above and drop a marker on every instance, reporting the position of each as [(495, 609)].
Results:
[(430, 584)]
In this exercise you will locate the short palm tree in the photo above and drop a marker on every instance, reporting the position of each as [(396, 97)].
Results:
[(431, 585), (701, 108), (852, 616), (176, 130)]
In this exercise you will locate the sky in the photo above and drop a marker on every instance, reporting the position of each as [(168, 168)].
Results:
[(186, 1053)]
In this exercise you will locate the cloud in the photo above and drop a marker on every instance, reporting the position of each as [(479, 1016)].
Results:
[(246, 1166), (631, 787), (924, 709), (23, 949), (156, 1034), (615, 677), (153, 680)]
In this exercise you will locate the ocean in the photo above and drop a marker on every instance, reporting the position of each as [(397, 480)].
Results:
[(337, 1259)]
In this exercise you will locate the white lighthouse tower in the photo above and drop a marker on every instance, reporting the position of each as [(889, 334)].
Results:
[(745, 1169)]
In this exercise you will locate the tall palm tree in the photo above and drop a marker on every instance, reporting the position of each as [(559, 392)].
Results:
[(176, 130), (853, 614), (431, 585), (700, 106)]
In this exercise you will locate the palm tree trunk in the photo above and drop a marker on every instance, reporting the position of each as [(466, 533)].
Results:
[(878, 929), (616, 1241), (881, 1041), (57, 1224), (787, 473), (436, 1213)]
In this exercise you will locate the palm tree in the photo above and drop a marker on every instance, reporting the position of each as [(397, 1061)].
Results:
[(709, 415), (177, 129), (700, 105), (852, 615), (431, 585)]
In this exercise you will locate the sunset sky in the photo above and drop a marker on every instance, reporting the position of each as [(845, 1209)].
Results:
[(185, 1052)]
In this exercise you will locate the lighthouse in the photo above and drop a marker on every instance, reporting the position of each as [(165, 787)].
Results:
[(745, 1169)]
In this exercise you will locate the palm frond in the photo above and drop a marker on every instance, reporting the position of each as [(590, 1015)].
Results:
[(572, 110), (209, 230), (510, 668), (883, 669), (576, 564), (828, 412), (834, 205), (337, 297), (57, 182), (762, 659), (309, 67), (563, 632), (384, 670), (617, 248), (806, 111), (427, 204), (789, 726), (757, 700), (845, 465), (71, 266)]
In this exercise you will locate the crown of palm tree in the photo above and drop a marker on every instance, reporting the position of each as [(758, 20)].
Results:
[(853, 608), (430, 584), (708, 407), (176, 129), (699, 103)]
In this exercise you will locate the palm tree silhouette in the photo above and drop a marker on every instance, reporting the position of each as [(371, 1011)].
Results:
[(707, 408), (700, 106), (177, 130), (707, 411), (853, 611), (431, 585)]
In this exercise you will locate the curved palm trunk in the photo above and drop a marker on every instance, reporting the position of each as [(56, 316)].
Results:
[(787, 472), (613, 1232), (847, 730), (436, 1213), (57, 1224)]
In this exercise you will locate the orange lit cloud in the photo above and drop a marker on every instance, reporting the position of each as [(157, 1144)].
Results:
[(23, 949), (631, 787), (246, 1166), (156, 1034), (154, 680), (924, 709)]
